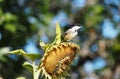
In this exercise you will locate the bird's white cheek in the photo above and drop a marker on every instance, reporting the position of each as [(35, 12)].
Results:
[(73, 34)]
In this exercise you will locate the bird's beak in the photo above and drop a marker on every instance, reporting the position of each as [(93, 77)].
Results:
[(81, 28)]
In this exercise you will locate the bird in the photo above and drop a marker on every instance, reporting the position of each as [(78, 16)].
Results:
[(71, 33)]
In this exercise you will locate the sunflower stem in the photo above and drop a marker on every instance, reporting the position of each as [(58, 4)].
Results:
[(35, 73)]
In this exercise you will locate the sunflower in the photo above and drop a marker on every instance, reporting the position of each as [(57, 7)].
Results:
[(57, 58)]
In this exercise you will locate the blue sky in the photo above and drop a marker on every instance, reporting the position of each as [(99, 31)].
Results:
[(91, 66), (30, 46), (108, 29)]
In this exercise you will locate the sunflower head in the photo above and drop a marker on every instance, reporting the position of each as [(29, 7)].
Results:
[(57, 58)]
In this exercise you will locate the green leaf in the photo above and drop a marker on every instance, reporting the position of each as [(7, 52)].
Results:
[(11, 27), (1, 0), (28, 66), (58, 35), (30, 56), (3, 59), (20, 52), (10, 17), (56, 41), (43, 45), (21, 78)]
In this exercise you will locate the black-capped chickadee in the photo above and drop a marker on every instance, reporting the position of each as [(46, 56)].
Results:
[(71, 33)]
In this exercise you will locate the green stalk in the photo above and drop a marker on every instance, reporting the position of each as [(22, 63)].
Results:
[(36, 72)]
